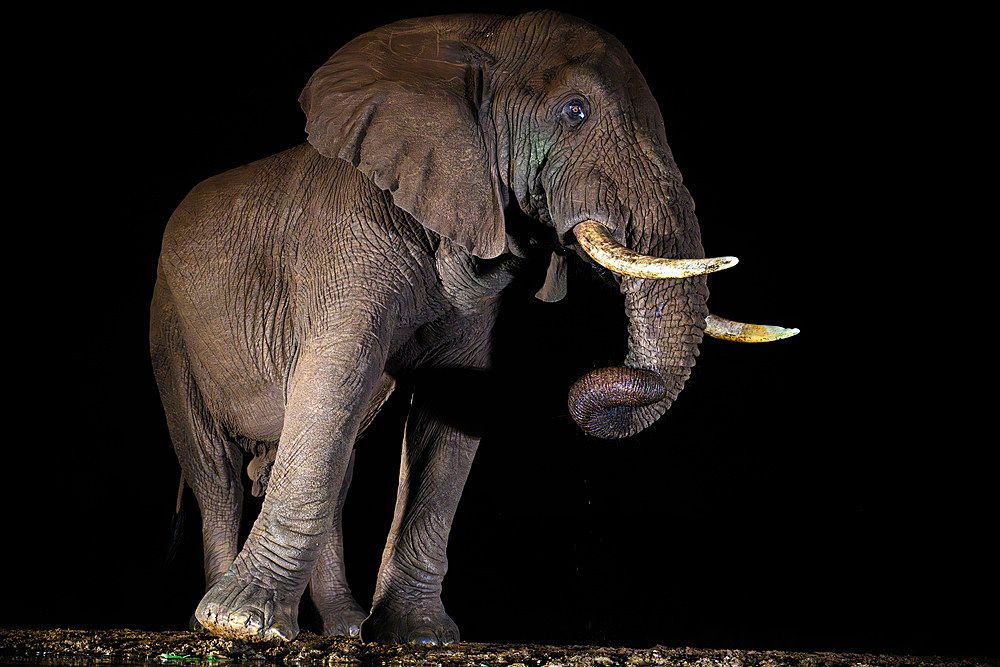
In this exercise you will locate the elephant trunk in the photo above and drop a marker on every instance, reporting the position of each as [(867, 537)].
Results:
[(666, 303), (666, 322)]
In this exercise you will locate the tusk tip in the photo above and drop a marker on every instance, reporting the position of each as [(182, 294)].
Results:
[(721, 328), (781, 332), (728, 262)]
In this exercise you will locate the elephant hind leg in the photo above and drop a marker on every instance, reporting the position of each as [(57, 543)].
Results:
[(210, 460)]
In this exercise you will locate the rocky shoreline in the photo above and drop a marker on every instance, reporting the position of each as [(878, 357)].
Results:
[(87, 647)]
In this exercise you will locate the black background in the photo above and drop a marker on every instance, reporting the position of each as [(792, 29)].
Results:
[(828, 492)]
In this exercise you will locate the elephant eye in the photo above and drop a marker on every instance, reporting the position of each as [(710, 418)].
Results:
[(575, 111)]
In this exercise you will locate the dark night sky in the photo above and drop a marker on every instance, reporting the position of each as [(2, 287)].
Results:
[(828, 492)]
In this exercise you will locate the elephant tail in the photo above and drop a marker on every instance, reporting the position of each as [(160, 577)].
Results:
[(176, 526)]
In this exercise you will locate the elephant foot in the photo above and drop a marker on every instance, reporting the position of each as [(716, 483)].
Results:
[(244, 610), (194, 625), (421, 623), (344, 620)]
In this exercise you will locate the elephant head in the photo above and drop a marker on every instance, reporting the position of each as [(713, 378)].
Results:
[(450, 114)]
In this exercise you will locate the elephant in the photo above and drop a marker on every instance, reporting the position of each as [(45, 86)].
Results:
[(294, 294)]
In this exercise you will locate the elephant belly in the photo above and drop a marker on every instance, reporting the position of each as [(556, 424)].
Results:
[(255, 414), (250, 406), (241, 383), (238, 351)]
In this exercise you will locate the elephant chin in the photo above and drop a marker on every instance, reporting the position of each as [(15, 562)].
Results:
[(605, 401)]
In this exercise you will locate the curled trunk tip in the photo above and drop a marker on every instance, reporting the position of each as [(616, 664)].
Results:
[(604, 401)]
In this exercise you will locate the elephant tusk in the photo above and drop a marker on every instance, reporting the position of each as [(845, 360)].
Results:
[(740, 332), (596, 241)]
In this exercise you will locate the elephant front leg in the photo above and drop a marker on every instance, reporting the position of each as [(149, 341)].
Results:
[(258, 597), (437, 456), (340, 612)]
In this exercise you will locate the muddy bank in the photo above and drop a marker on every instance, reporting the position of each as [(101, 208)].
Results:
[(80, 647)]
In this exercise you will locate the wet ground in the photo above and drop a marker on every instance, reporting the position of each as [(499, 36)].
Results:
[(130, 647)]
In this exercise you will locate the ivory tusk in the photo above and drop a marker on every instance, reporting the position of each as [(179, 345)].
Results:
[(596, 241), (718, 327)]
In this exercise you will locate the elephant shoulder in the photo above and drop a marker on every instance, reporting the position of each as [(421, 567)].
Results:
[(248, 183), (258, 193)]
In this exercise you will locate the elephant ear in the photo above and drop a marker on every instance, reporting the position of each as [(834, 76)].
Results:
[(404, 105)]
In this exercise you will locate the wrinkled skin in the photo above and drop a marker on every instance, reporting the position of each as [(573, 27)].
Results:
[(293, 292)]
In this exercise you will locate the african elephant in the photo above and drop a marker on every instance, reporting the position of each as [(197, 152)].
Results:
[(293, 294)]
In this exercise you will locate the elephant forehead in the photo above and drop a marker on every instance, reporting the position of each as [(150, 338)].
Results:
[(588, 63), (600, 71)]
